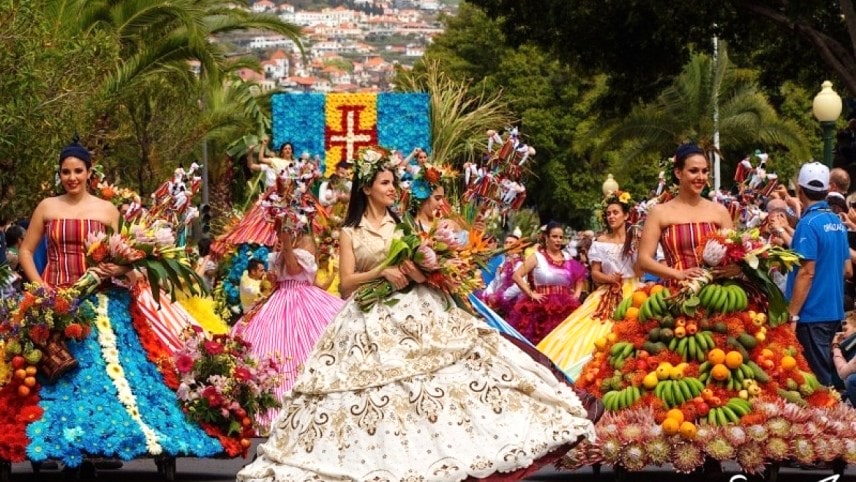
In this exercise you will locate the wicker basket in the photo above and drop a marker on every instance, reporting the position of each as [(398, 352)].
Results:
[(56, 359)]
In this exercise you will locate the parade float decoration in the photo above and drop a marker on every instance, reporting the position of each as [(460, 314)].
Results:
[(708, 370), (222, 387)]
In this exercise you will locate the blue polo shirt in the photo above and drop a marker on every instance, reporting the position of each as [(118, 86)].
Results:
[(821, 237)]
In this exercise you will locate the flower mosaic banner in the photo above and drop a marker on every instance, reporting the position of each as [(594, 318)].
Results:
[(336, 126)]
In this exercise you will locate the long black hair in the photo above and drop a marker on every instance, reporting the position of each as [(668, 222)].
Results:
[(360, 201)]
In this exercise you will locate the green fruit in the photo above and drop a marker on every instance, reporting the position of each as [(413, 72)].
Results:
[(667, 322), (720, 327), (654, 335), (33, 356), (666, 334), (13, 347), (747, 340)]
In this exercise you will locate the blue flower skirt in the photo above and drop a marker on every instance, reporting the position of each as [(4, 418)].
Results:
[(114, 409)]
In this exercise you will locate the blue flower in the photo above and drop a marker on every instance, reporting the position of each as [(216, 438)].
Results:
[(420, 189)]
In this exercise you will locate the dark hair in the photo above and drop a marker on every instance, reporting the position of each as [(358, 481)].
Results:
[(255, 263), (813, 195), (343, 165), (551, 226), (684, 151), (76, 150), (282, 146), (204, 246), (628, 228), (359, 201), (14, 233)]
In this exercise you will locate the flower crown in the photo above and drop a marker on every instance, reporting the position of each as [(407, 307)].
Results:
[(618, 197), (369, 161), (430, 177)]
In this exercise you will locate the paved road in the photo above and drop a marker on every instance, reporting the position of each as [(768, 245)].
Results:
[(223, 470)]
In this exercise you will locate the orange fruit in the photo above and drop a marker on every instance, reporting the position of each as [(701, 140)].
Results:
[(676, 414), (788, 362), (688, 430), (720, 372), (611, 337), (21, 373), (632, 313), (716, 356), (30, 381), (23, 390), (733, 359), (767, 353), (656, 289), (639, 297), (31, 370), (671, 426)]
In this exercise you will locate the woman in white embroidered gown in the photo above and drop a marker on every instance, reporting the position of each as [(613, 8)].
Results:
[(420, 390)]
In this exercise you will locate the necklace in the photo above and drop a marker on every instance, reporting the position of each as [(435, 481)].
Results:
[(550, 259)]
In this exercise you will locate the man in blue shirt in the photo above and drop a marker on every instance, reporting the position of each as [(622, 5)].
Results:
[(816, 288)]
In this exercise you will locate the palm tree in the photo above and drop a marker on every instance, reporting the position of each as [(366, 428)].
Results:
[(685, 111), (459, 119)]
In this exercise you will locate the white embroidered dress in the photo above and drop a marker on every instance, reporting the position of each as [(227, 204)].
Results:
[(414, 391)]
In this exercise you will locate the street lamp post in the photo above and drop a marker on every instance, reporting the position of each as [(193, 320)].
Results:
[(826, 108)]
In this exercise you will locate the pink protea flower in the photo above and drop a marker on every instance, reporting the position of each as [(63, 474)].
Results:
[(426, 258)]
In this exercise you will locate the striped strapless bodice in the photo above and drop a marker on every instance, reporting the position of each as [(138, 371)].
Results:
[(67, 249)]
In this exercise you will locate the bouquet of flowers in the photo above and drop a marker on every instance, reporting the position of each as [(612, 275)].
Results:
[(223, 387), (756, 258), (35, 325), (142, 244), (447, 255)]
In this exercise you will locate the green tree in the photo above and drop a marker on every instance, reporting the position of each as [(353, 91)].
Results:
[(685, 111)]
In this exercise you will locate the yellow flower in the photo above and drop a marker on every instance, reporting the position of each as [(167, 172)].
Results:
[(624, 197), (114, 370)]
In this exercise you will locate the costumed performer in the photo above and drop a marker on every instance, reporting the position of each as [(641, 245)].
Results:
[(551, 282), (613, 259), (415, 389), (290, 321), (114, 403)]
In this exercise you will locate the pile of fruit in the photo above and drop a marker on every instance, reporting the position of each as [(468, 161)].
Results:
[(706, 356)]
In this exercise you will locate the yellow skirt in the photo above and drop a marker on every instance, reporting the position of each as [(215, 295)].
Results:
[(202, 310), (571, 344)]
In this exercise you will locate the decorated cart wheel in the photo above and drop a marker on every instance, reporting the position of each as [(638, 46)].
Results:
[(5, 471)]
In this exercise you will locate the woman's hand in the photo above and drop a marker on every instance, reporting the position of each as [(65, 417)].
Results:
[(615, 278), (110, 270), (409, 269), (395, 277), (689, 273), (537, 297)]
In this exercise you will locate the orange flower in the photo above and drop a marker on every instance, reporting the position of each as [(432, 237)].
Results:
[(61, 305), (99, 253), (433, 175)]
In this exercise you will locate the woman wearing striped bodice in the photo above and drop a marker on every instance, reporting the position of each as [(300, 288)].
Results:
[(292, 319), (114, 403), (681, 224)]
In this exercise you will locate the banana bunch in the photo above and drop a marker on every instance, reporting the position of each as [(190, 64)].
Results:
[(736, 376), (677, 392), (655, 306), (725, 298), (620, 399), (619, 352), (693, 347), (729, 413), (621, 309)]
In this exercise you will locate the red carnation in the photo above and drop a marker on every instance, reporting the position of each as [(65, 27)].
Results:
[(242, 374), (74, 331), (30, 414), (214, 399)]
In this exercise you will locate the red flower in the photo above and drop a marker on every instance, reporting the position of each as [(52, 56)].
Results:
[(30, 414), (184, 364), (214, 399), (74, 330), (242, 374), (61, 305), (100, 253), (213, 348), (39, 334)]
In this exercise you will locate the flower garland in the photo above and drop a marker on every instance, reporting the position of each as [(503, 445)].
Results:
[(156, 351), (83, 414), (110, 352)]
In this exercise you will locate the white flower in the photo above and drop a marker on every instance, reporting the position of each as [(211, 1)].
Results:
[(713, 253)]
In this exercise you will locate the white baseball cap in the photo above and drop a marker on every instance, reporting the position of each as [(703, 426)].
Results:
[(814, 176)]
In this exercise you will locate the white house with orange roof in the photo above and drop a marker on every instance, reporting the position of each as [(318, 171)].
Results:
[(286, 8), (270, 41), (262, 6), (327, 16)]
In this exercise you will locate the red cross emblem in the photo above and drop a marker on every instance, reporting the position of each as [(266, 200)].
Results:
[(350, 137)]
